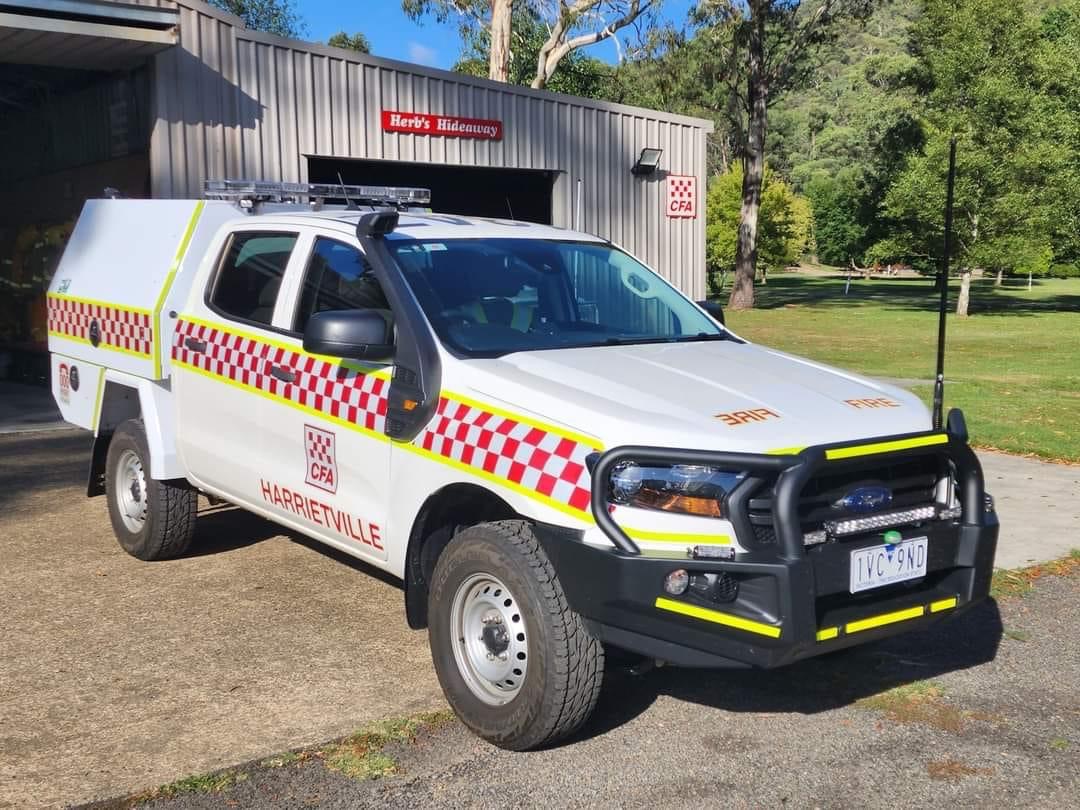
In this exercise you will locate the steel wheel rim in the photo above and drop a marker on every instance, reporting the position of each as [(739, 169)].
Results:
[(484, 616), (130, 488)]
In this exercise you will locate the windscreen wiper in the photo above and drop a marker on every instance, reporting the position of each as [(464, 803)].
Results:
[(701, 337)]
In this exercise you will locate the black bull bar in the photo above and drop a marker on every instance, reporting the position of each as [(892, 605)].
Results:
[(794, 472), (791, 603)]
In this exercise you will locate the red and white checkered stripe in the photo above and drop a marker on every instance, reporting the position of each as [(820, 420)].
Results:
[(550, 464), (120, 328), (320, 385)]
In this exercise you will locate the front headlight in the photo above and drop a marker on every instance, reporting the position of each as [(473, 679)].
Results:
[(688, 488)]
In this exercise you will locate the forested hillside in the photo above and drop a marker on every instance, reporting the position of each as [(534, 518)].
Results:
[(857, 135)]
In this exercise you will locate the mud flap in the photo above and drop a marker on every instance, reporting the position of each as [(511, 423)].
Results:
[(95, 478)]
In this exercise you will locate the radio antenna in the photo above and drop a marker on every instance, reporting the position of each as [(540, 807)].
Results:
[(349, 204), (943, 286)]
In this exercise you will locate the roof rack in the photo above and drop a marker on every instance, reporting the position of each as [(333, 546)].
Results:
[(248, 193)]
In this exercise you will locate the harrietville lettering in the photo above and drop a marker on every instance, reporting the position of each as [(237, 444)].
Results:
[(348, 526)]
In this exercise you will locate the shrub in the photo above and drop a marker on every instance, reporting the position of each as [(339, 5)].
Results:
[(1064, 271)]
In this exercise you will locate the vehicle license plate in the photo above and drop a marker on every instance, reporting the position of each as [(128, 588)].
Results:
[(885, 565)]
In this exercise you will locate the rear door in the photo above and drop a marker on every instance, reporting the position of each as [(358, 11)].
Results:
[(328, 458), (223, 371)]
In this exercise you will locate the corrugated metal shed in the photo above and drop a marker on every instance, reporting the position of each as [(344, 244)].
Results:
[(84, 34), (235, 103)]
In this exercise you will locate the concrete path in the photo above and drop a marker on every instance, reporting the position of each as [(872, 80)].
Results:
[(26, 408), (1039, 507)]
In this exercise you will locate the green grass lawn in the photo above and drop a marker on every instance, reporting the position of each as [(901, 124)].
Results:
[(1013, 365)]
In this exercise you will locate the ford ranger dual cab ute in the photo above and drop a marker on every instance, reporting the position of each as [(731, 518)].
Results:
[(554, 449)]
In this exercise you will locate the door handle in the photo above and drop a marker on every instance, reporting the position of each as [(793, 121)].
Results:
[(195, 345), (282, 373)]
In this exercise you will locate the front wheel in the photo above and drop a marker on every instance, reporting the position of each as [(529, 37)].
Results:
[(152, 520), (517, 665)]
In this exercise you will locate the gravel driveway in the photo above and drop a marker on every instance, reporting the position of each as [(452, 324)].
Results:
[(961, 716), (116, 674)]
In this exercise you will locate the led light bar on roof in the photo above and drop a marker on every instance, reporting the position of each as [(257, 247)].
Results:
[(272, 191)]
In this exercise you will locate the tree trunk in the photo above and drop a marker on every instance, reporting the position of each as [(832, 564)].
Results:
[(965, 293), (499, 59), (757, 94), (997, 280)]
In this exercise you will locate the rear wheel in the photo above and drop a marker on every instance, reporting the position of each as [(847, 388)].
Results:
[(152, 520), (517, 665)]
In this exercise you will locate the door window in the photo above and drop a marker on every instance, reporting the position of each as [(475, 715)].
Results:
[(337, 277), (250, 275)]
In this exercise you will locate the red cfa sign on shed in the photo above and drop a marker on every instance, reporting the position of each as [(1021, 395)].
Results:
[(681, 196), (446, 126)]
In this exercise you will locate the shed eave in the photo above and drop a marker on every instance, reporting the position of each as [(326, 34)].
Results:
[(29, 39)]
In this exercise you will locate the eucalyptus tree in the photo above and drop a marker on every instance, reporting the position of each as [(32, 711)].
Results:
[(766, 47)]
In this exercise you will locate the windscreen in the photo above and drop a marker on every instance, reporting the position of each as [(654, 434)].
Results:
[(489, 297)]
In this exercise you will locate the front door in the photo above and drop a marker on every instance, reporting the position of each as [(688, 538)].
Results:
[(328, 464)]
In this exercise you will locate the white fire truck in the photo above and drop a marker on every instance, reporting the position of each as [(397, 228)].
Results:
[(554, 449)]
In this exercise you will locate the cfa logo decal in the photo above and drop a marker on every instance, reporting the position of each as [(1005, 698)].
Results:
[(681, 196), (319, 447), (65, 384)]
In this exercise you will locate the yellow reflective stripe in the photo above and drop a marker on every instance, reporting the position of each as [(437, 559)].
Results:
[(678, 537), (884, 618), (267, 395), (178, 258), (374, 371), (97, 401), (461, 466), (885, 447), (726, 619), (826, 633), (943, 604), (785, 451), (581, 438), (384, 373), (101, 345), (93, 302), (382, 437)]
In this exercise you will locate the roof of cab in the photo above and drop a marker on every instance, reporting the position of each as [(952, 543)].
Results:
[(416, 225)]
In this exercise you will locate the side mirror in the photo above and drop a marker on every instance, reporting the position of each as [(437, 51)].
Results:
[(354, 334), (716, 312)]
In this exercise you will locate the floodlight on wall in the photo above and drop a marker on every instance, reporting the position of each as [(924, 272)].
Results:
[(648, 162)]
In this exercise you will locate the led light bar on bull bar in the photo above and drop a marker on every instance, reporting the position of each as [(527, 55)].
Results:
[(840, 528), (272, 191)]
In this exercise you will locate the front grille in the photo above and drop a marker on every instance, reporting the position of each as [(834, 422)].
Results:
[(913, 482)]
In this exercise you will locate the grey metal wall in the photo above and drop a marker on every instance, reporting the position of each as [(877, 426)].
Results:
[(236, 103)]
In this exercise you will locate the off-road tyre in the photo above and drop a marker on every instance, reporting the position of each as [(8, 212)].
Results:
[(168, 524), (565, 669)]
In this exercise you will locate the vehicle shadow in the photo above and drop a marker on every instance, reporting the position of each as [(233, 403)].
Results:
[(31, 463), (222, 528), (815, 685)]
